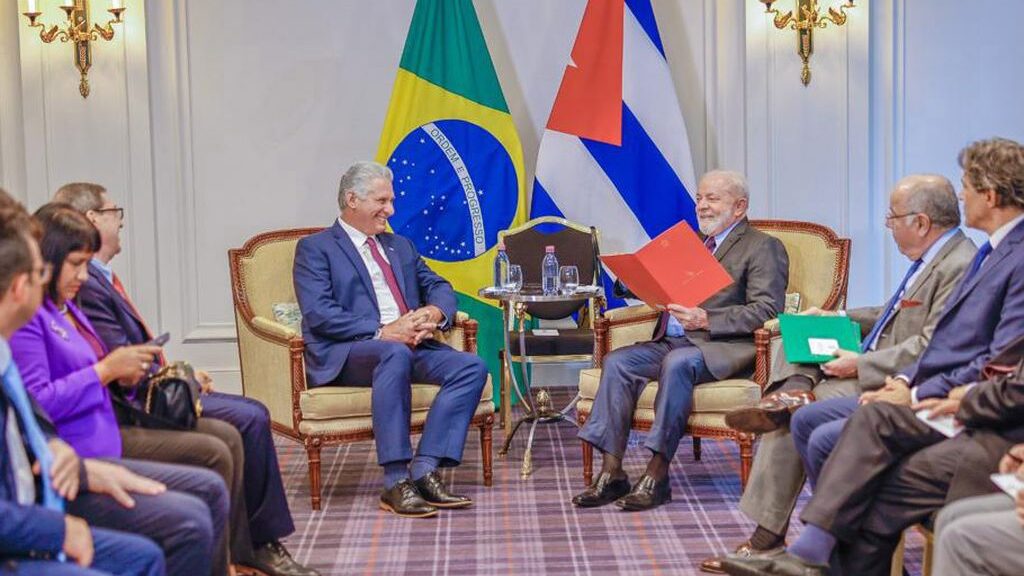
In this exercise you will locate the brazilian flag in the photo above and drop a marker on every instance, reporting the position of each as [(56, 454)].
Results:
[(456, 157)]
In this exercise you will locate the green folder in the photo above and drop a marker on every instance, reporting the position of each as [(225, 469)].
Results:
[(804, 337)]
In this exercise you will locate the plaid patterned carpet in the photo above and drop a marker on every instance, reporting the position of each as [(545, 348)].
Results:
[(520, 526)]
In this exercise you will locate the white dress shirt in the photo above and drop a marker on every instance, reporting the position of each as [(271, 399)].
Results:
[(386, 304)]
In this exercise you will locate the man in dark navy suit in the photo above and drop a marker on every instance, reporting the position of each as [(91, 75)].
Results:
[(888, 470), (260, 517), (369, 306)]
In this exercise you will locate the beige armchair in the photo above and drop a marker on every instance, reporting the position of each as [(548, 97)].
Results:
[(818, 266), (271, 354)]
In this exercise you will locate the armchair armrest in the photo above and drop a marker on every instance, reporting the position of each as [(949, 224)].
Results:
[(273, 368), (272, 329), (621, 327)]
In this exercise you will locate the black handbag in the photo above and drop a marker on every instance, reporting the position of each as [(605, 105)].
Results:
[(170, 399)]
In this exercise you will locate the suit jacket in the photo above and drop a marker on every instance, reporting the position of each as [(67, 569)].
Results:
[(759, 267), (984, 315), (993, 414), (56, 365), (111, 316), (911, 327), (24, 529), (338, 303)]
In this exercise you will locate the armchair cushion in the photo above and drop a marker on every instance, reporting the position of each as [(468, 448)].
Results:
[(289, 314), (712, 397), (337, 403)]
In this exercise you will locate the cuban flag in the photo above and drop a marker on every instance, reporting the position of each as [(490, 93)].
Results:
[(614, 153)]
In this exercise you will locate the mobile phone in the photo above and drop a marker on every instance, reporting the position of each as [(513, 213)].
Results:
[(159, 340)]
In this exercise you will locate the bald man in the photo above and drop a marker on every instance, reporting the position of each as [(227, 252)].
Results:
[(924, 219)]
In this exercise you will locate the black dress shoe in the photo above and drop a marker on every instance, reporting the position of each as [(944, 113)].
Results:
[(784, 564), (713, 565), (403, 499), (604, 490), (648, 493), (273, 559), (433, 490)]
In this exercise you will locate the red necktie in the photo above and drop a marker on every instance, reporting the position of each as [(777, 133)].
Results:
[(389, 275), (662, 326), (119, 288)]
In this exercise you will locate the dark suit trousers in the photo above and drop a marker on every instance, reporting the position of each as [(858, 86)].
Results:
[(676, 364), (183, 521), (389, 368), (269, 516), (816, 430), (116, 553), (888, 471), (214, 445)]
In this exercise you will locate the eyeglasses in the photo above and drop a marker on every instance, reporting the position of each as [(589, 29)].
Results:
[(43, 273), (118, 210), (891, 217)]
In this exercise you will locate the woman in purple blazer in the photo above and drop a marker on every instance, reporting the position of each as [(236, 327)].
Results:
[(59, 353), (66, 368)]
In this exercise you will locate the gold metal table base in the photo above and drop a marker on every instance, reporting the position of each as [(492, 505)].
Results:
[(543, 413)]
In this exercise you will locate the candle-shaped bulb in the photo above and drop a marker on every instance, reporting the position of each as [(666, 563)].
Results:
[(117, 4), (32, 6)]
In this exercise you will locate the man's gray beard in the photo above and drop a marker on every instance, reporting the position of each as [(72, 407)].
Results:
[(708, 226)]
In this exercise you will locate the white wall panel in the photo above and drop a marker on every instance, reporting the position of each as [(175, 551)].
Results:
[(212, 121)]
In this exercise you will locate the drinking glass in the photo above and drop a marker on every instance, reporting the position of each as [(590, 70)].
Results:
[(568, 279), (514, 281)]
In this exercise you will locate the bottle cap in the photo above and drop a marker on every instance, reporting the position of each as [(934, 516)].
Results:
[(550, 249)]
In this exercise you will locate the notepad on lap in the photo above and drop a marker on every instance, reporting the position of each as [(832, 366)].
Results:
[(1008, 483), (945, 425)]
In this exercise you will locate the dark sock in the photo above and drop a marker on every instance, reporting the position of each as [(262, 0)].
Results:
[(795, 382), (395, 472), (814, 545), (657, 468), (612, 465), (423, 465), (764, 539)]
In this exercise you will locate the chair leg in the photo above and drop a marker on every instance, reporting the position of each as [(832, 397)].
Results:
[(696, 448), (485, 450), (746, 442), (897, 557), (313, 454)]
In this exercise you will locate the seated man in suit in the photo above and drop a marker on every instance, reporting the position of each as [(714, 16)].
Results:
[(924, 221), (260, 516), (370, 305), (983, 316), (690, 346), (983, 534), (36, 529)]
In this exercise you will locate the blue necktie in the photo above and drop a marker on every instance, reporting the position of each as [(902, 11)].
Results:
[(889, 309), (979, 259), (18, 397)]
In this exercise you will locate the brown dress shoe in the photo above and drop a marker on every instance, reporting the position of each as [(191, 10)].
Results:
[(403, 499), (713, 565), (770, 414), (433, 490)]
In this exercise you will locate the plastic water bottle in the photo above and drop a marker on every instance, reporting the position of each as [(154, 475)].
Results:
[(500, 267), (549, 271)]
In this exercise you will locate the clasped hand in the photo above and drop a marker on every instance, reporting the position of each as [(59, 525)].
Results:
[(413, 327)]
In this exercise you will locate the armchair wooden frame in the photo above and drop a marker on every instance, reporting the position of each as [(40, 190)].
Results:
[(762, 342), (295, 346)]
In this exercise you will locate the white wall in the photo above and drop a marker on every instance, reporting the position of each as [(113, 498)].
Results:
[(211, 121)]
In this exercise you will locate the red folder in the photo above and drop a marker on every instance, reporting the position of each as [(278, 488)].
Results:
[(674, 268)]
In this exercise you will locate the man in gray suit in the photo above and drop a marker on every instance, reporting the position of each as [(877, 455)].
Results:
[(690, 346), (924, 219), (983, 534)]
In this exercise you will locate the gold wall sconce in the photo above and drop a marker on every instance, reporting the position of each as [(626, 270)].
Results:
[(807, 17), (77, 32)]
